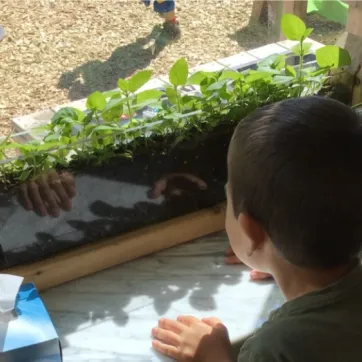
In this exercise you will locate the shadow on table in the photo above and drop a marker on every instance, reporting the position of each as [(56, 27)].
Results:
[(97, 75), (178, 273)]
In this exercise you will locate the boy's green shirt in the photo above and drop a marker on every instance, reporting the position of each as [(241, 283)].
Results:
[(322, 326)]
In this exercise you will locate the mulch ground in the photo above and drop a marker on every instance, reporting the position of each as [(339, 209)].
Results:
[(61, 50)]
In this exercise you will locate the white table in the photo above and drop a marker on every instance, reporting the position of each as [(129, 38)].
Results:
[(108, 316)]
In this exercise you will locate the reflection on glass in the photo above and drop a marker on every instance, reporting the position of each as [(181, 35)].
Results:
[(49, 194)]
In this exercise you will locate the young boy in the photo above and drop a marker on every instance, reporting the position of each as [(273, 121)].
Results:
[(295, 211), (166, 9)]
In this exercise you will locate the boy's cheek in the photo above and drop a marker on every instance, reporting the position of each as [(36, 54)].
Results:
[(232, 230)]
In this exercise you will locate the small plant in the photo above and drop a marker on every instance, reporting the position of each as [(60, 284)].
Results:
[(111, 126)]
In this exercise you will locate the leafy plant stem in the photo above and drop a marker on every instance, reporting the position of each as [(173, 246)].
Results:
[(129, 108), (178, 99), (301, 60)]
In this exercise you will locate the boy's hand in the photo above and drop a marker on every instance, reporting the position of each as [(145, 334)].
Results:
[(231, 258), (177, 184), (189, 339), (49, 194)]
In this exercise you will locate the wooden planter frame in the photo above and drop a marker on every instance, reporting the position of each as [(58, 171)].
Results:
[(110, 252)]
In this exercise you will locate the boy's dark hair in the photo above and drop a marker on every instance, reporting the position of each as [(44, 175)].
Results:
[(296, 167)]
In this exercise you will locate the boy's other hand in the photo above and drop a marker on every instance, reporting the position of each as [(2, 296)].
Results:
[(49, 194), (231, 258), (177, 184), (190, 339)]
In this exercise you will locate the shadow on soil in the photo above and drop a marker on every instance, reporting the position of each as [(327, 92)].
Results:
[(97, 75)]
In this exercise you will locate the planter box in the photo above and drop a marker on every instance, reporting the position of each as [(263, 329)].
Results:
[(113, 200)]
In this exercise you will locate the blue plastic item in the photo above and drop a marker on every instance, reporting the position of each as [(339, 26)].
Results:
[(29, 334)]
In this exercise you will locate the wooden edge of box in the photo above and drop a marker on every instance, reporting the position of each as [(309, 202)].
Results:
[(113, 251)]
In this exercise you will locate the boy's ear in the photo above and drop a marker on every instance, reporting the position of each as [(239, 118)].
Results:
[(253, 231)]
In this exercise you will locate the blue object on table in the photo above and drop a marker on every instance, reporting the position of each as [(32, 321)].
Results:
[(27, 334)]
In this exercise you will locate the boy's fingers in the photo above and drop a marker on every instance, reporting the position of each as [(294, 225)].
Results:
[(158, 188), (68, 183), (233, 259), (202, 185), (49, 197), (57, 186), (24, 197), (166, 349), (171, 325), (166, 336), (161, 185), (36, 200), (229, 251), (187, 320), (212, 321), (257, 275)]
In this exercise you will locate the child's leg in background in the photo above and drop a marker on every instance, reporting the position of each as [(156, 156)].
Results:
[(2, 33), (167, 9)]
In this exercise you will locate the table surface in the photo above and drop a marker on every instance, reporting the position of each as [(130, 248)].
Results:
[(108, 316)]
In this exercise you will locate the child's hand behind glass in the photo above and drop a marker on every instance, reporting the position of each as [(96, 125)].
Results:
[(49, 194), (177, 184)]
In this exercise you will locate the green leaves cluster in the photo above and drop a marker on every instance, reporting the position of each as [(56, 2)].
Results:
[(328, 57), (111, 126)]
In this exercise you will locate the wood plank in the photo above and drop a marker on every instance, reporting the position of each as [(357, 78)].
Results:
[(351, 40), (354, 20), (274, 11), (353, 43), (296, 7), (257, 10), (113, 251)]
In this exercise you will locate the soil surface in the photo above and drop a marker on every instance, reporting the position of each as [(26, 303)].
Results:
[(56, 51)]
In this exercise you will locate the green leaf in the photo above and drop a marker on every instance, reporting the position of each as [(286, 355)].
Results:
[(171, 95), (138, 80), (230, 74), (282, 79), (295, 49), (123, 85), (96, 101), (273, 61), (318, 72), (113, 103), (66, 112), (307, 32), (149, 94), (256, 75), (196, 78), (293, 27), (217, 85), (298, 51), (111, 93), (105, 128), (52, 137), (290, 71), (25, 175), (333, 57), (271, 71), (179, 72), (306, 48)]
